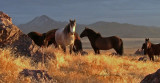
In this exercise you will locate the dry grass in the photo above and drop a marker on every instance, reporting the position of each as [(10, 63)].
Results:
[(79, 69)]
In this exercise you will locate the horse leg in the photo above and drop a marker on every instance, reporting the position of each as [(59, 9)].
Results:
[(75, 49), (64, 48), (117, 51), (71, 48), (151, 57), (95, 51), (98, 51), (55, 44)]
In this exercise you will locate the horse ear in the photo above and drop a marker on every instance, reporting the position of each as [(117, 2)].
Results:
[(147, 39), (70, 20), (86, 28), (98, 34)]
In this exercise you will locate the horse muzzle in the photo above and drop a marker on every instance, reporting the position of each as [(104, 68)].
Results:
[(81, 35), (72, 33)]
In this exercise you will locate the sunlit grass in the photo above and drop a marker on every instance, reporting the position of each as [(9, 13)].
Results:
[(66, 68)]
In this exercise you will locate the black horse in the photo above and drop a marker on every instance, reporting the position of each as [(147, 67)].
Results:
[(144, 48), (103, 43), (151, 49), (38, 38)]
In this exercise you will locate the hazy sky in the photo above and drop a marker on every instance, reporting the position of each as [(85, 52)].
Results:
[(140, 12)]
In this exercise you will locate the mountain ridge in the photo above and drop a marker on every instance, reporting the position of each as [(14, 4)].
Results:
[(44, 23)]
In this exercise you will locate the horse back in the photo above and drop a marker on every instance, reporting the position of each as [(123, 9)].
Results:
[(155, 49), (50, 35), (35, 36), (114, 40), (106, 43)]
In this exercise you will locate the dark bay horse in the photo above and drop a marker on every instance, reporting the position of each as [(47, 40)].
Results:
[(65, 36), (151, 49), (50, 37), (103, 43), (77, 44), (38, 38)]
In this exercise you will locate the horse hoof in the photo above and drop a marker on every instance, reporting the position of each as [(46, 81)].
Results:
[(142, 59), (84, 53)]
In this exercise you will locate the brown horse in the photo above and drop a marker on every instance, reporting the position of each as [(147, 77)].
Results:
[(151, 49), (103, 43), (38, 38), (50, 37)]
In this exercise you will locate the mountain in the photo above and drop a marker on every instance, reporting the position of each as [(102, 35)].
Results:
[(125, 30), (41, 24), (44, 23)]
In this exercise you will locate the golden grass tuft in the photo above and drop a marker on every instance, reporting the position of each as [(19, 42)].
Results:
[(66, 68)]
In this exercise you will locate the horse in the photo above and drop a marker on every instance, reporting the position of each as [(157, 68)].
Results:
[(103, 43), (143, 48), (65, 36), (151, 49), (38, 38), (50, 37), (77, 44)]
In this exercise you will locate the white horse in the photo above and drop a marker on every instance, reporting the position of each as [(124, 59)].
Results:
[(65, 36)]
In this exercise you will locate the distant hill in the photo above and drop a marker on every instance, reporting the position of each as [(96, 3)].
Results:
[(41, 24), (44, 23), (125, 30)]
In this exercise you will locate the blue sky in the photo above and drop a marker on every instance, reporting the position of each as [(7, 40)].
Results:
[(139, 12)]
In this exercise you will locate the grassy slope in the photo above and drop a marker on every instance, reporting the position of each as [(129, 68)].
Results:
[(79, 69)]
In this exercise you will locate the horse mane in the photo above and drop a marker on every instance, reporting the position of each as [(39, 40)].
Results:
[(99, 35), (50, 34), (51, 31), (93, 33), (44, 34), (67, 29)]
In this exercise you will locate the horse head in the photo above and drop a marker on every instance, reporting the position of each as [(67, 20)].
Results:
[(84, 32), (72, 25), (146, 39), (148, 43)]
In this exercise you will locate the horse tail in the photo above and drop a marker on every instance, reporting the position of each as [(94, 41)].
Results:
[(121, 48)]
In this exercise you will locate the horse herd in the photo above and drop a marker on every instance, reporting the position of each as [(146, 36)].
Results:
[(67, 36)]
